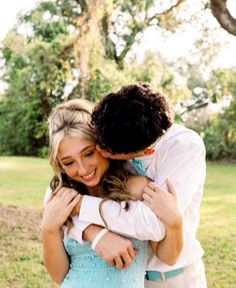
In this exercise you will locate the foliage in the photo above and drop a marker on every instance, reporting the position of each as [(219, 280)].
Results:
[(21, 127), (220, 132), (36, 72)]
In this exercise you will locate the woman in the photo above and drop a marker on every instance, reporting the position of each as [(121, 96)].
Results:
[(77, 163)]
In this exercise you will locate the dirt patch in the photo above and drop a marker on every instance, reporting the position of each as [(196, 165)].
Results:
[(23, 222)]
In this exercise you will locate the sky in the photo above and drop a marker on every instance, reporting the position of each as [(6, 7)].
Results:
[(8, 12), (10, 8)]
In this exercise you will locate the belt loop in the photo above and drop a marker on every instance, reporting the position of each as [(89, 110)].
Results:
[(163, 277)]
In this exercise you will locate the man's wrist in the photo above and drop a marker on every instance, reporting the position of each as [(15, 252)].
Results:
[(90, 233), (98, 238)]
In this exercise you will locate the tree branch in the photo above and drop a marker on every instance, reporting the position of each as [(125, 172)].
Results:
[(223, 16), (166, 12)]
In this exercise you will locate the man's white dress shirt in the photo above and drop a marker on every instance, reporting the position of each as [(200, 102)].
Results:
[(179, 156)]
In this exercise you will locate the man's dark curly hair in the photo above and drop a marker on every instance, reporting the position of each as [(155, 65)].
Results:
[(131, 119)]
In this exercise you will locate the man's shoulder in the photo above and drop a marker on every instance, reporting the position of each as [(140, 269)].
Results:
[(179, 134)]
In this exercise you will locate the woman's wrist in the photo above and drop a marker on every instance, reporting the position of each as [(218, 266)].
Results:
[(176, 224), (46, 229)]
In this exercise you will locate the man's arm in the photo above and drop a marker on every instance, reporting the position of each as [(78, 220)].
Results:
[(138, 222), (112, 248), (184, 164), (172, 217)]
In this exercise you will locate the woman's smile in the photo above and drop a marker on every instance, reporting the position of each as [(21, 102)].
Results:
[(90, 176)]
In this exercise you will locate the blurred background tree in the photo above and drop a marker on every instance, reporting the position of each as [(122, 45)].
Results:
[(86, 48)]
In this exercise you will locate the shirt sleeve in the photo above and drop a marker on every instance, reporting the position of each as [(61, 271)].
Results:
[(47, 194), (138, 222), (76, 231), (185, 166)]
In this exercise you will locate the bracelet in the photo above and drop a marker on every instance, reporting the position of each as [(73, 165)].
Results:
[(98, 238)]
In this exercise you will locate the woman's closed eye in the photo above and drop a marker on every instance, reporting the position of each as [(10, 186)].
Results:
[(67, 163), (89, 154)]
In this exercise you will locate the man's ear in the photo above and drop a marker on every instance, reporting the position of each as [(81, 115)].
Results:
[(149, 150)]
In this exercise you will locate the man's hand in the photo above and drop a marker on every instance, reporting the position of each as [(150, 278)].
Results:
[(112, 248), (164, 203), (116, 250)]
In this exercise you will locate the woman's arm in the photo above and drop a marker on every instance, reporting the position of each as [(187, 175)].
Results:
[(56, 212), (167, 209), (169, 248), (54, 255)]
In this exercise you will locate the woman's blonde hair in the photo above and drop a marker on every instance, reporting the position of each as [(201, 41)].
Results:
[(71, 118)]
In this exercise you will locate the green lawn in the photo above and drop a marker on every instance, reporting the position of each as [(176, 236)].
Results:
[(218, 225), (22, 186), (23, 181)]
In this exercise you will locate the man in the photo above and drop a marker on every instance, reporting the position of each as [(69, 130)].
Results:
[(137, 122)]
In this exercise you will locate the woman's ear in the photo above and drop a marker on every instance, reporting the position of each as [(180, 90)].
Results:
[(149, 150), (103, 152)]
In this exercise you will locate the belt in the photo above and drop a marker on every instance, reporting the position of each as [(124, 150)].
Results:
[(153, 275)]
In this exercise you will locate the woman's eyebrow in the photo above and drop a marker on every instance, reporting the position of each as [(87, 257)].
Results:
[(82, 151)]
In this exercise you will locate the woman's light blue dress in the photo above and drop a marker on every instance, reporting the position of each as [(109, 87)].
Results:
[(88, 270)]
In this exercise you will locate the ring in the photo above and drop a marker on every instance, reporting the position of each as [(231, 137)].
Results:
[(156, 187)]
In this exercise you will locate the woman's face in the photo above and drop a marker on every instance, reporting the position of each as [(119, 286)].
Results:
[(81, 161)]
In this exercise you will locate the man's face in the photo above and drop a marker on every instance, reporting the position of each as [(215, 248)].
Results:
[(125, 156)]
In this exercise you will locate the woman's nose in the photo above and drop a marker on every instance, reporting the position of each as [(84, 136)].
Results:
[(82, 168)]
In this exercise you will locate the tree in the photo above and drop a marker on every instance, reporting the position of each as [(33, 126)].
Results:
[(88, 46), (37, 67), (219, 131), (130, 19), (223, 16)]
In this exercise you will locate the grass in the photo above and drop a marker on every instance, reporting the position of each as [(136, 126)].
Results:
[(22, 187), (23, 181), (217, 231)]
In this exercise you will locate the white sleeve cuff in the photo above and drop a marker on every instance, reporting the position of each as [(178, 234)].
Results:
[(89, 210), (76, 232)]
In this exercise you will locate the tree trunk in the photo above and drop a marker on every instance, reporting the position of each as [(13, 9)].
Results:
[(89, 40)]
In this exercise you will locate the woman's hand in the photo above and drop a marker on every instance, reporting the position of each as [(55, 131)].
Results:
[(164, 204), (76, 210), (58, 208)]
